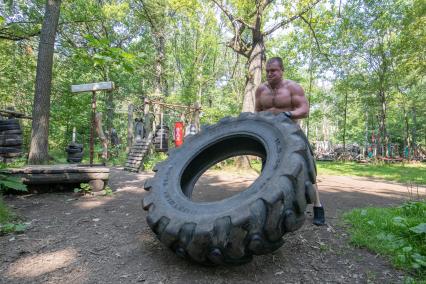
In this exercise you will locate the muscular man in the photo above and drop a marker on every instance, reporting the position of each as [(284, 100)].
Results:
[(278, 95)]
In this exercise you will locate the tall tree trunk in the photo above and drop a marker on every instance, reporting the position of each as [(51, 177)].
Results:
[(159, 61), (382, 122), (344, 121), (414, 132), (254, 77), (130, 126), (309, 97), (43, 85), (366, 133), (406, 128)]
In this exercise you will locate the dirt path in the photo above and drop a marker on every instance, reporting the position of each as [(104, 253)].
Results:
[(100, 239)]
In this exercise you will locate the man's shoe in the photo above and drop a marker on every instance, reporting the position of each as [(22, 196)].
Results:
[(319, 216)]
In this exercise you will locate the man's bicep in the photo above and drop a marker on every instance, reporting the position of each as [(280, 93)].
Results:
[(300, 103), (257, 104)]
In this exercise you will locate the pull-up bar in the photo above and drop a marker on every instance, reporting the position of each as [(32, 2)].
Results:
[(93, 87)]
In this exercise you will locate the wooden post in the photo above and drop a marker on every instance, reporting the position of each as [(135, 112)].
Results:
[(73, 135), (197, 107), (92, 128), (129, 127)]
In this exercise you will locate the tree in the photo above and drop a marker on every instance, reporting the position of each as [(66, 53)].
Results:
[(249, 36), (155, 13), (41, 107)]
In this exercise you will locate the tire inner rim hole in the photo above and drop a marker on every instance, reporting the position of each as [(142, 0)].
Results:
[(223, 170)]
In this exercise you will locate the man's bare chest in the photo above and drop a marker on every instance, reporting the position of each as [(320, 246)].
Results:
[(276, 98)]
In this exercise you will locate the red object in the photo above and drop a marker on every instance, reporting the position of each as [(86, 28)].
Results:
[(178, 133)]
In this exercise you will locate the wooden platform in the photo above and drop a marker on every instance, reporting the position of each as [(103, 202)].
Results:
[(96, 176)]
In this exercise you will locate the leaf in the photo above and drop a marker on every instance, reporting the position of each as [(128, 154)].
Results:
[(407, 249), (399, 221), (12, 182), (401, 258), (420, 259), (19, 228), (419, 229), (7, 228)]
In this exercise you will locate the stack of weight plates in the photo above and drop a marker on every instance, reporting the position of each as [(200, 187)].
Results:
[(10, 140), (161, 140), (75, 153)]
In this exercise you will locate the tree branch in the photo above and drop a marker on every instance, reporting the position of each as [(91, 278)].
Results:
[(10, 36), (266, 3), (286, 21), (316, 39), (239, 25), (232, 18)]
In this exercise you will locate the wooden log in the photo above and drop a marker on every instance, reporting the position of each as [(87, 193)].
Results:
[(97, 184), (138, 159), (138, 150), (15, 114), (61, 178), (43, 169)]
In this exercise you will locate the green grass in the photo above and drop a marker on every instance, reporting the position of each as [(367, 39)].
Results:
[(5, 215), (404, 173), (398, 233), (9, 222)]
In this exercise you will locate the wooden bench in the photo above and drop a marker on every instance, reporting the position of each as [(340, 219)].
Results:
[(96, 176)]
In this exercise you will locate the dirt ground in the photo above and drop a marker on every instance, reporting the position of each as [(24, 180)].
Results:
[(98, 239)]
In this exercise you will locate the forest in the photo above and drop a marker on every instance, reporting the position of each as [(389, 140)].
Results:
[(360, 62)]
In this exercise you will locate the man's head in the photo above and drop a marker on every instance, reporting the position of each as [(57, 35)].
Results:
[(274, 70)]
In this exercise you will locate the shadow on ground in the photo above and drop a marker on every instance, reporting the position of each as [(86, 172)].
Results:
[(73, 239)]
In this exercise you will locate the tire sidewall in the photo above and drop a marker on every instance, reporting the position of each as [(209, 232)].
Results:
[(266, 131)]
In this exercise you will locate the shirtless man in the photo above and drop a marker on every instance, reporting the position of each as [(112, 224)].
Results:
[(278, 95)]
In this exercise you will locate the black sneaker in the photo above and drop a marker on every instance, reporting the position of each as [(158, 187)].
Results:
[(319, 217)]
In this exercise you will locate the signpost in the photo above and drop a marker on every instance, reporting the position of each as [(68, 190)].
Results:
[(93, 87)]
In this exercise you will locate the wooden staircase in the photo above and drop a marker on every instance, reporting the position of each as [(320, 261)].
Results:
[(137, 154)]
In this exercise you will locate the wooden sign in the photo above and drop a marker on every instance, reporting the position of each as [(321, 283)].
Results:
[(92, 87)]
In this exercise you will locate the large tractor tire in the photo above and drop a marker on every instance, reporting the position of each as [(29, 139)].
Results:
[(250, 223)]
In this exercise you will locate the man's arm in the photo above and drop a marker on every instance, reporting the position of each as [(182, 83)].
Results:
[(257, 104), (299, 102)]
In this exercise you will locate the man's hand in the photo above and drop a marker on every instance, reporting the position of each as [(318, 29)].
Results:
[(288, 114)]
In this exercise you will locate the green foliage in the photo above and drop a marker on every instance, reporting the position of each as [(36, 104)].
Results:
[(83, 189), (153, 159), (9, 223), (341, 53), (11, 182), (117, 156), (108, 191), (5, 214), (398, 233), (8, 228), (404, 173)]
